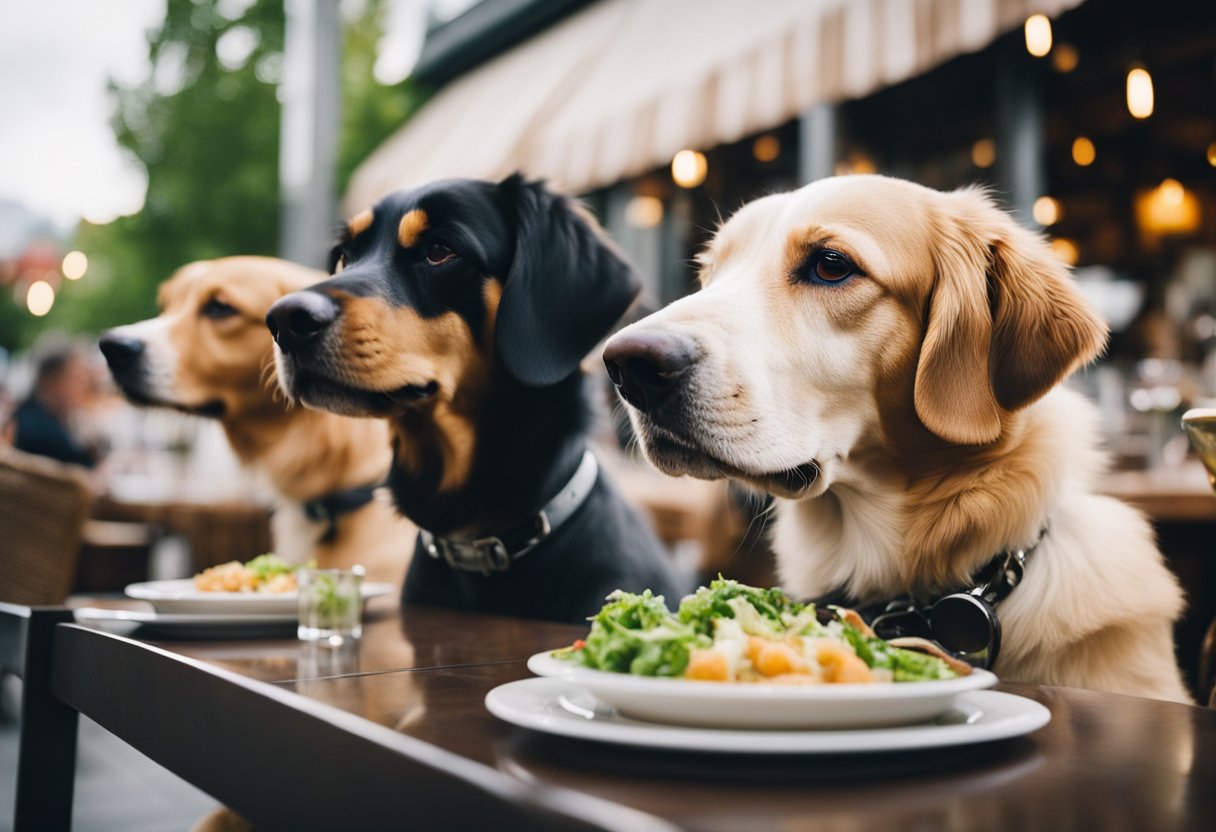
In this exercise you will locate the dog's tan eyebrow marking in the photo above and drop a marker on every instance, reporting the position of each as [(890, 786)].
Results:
[(411, 227), (492, 294), (360, 222)]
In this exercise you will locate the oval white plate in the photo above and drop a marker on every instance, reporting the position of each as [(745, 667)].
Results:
[(759, 705), (557, 707), (180, 596)]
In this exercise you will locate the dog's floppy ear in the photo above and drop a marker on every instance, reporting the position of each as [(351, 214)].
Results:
[(1005, 322), (566, 288)]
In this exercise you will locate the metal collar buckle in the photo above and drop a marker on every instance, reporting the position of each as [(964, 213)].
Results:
[(486, 555), (964, 623)]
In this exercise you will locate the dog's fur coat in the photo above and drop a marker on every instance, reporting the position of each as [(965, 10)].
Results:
[(884, 358)]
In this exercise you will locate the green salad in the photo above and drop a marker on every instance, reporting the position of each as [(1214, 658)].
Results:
[(731, 632)]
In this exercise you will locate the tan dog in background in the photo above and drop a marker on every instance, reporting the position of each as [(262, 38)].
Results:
[(884, 358), (209, 353)]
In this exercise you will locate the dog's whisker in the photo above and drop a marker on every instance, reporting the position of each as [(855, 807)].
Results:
[(271, 386)]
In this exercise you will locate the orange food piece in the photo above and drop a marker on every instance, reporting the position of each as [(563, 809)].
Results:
[(778, 659), (840, 666), (708, 666)]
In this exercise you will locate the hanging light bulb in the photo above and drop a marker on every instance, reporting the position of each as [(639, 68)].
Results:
[(1083, 152), (1038, 35), (644, 211), (1066, 250), (1140, 93), (75, 264), (983, 153), (39, 298), (688, 168), (766, 148), (1046, 210), (1065, 57)]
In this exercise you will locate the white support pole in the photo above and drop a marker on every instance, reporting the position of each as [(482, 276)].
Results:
[(308, 141)]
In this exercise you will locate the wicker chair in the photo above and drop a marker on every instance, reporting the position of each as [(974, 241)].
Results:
[(43, 507)]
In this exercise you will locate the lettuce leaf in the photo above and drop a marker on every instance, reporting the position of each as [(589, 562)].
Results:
[(707, 603), (636, 634)]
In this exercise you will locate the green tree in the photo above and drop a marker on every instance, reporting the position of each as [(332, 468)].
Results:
[(207, 134)]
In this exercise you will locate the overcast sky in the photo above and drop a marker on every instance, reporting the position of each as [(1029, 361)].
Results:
[(58, 155)]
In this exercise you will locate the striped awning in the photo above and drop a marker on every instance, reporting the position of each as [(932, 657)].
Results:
[(618, 88)]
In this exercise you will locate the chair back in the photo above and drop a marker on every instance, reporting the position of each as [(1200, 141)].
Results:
[(43, 508)]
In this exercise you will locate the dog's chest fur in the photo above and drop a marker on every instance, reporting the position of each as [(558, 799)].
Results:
[(1096, 582)]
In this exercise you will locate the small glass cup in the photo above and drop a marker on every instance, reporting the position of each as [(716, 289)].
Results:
[(331, 604)]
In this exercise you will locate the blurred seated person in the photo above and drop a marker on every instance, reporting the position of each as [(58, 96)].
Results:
[(41, 422)]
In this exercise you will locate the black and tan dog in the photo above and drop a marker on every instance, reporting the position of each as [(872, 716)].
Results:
[(460, 314)]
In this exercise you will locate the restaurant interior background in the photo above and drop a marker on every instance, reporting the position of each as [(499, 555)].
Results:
[(252, 126)]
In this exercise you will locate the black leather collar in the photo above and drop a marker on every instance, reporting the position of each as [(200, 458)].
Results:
[(962, 621), (496, 552), (329, 507)]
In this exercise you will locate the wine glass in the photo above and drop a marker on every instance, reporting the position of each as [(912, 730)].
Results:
[(1200, 425)]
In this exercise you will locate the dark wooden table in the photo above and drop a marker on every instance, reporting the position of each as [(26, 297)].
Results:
[(395, 734)]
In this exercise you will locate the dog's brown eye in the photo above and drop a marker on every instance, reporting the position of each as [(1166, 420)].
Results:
[(437, 253), (216, 308), (830, 266)]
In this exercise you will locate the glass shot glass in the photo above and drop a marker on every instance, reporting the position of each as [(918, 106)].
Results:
[(331, 604)]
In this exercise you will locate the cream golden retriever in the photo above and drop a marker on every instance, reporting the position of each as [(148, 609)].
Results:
[(885, 359), (209, 353)]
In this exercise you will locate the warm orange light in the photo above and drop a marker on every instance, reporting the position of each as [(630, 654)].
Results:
[(1066, 250), (1140, 93), (75, 264), (39, 298), (1065, 58), (855, 162), (1172, 192), (1168, 209), (983, 153), (1212, 154), (1046, 210), (766, 148), (644, 211), (1083, 152), (1038, 35), (688, 168)]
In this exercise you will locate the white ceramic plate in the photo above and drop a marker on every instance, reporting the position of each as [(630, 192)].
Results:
[(180, 596), (131, 622), (557, 707), (759, 705)]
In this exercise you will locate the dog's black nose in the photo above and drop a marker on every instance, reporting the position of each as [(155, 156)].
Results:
[(120, 351), (296, 319), (646, 365)]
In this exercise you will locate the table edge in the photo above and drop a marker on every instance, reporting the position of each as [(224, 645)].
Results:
[(223, 732)]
